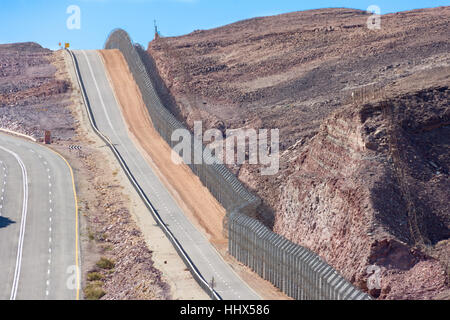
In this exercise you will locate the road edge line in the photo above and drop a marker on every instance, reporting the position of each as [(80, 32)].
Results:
[(76, 219), (23, 222), (18, 134), (191, 266)]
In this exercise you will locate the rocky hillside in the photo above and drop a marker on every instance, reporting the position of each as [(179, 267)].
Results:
[(372, 189), (32, 99), (364, 126), (38, 92), (290, 71)]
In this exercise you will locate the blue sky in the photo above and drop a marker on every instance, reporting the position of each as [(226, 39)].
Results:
[(44, 21)]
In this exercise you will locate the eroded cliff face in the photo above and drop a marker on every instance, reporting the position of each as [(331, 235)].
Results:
[(371, 189), (362, 183)]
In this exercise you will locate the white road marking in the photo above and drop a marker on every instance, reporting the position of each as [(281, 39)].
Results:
[(126, 150), (98, 89), (139, 169), (50, 231), (22, 223)]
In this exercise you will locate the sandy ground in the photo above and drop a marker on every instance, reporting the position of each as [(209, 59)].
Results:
[(165, 258), (195, 200), (188, 190)]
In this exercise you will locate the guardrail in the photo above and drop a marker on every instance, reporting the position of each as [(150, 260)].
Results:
[(295, 270), (190, 265), (18, 134)]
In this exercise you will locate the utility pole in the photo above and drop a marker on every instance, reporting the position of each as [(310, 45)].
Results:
[(156, 31)]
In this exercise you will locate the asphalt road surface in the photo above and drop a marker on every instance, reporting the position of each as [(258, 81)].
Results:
[(110, 122), (37, 223)]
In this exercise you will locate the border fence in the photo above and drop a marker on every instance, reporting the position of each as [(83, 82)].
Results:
[(297, 271), (190, 265)]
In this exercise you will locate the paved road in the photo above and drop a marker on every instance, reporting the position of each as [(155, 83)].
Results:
[(37, 223), (110, 122)]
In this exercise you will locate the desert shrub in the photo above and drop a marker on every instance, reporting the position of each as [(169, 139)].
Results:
[(94, 276), (105, 263), (94, 291)]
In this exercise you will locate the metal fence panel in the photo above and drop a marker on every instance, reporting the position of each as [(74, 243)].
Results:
[(294, 269)]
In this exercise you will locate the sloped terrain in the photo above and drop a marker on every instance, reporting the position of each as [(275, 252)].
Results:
[(32, 99), (363, 180), (372, 189), (38, 92), (289, 71)]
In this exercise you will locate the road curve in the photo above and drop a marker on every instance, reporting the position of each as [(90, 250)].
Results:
[(110, 122), (38, 223)]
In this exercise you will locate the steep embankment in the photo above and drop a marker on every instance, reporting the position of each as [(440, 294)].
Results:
[(200, 206), (32, 98), (362, 181), (371, 184), (290, 71), (185, 187)]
